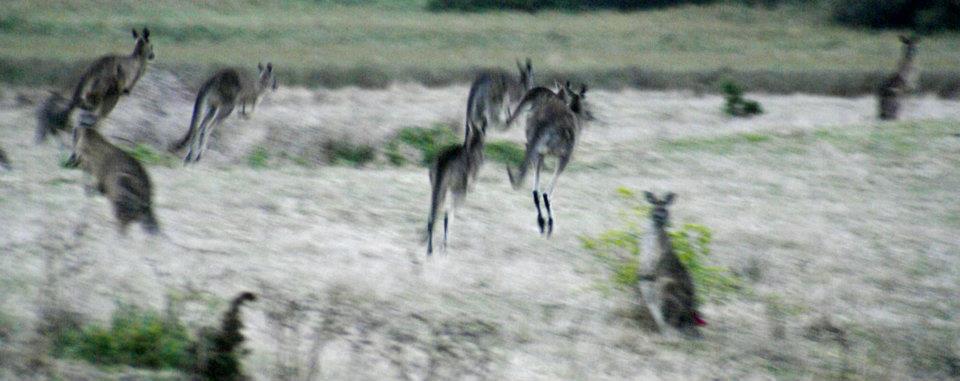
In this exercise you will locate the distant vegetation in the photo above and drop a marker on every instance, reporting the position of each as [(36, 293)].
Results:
[(920, 15), (570, 5), (422, 145)]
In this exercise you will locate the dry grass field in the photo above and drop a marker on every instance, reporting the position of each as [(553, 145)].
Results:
[(820, 211)]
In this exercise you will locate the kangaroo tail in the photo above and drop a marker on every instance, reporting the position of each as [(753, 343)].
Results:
[(150, 224), (191, 133), (53, 116)]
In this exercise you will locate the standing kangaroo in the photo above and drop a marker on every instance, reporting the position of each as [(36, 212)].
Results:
[(216, 100), (665, 284), (116, 175), (553, 129), (454, 171), (99, 88), (494, 92), (904, 81)]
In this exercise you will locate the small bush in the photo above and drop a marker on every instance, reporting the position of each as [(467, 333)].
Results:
[(146, 155), (736, 104), (346, 153), (258, 158), (428, 142), (619, 250), (135, 337), (505, 152)]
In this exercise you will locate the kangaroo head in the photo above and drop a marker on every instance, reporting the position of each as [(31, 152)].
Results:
[(526, 74), (143, 47), (910, 43), (266, 79), (575, 98), (660, 215)]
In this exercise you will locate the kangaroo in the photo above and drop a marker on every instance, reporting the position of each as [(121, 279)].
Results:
[(494, 92), (217, 352), (4, 161), (553, 129), (665, 284), (216, 100), (454, 171), (902, 82), (99, 88), (117, 175)]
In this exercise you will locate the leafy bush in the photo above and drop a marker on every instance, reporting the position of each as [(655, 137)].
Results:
[(736, 104), (619, 250), (921, 15), (146, 155), (258, 158), (342, 152), (428, 142), (569, 5), (135, 337), (505, 152)]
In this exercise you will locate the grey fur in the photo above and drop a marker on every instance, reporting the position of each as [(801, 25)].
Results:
[(665, 284), (493, 94), (901, 83), (216, 100), (553, 129), (116, 175), (454, 171)]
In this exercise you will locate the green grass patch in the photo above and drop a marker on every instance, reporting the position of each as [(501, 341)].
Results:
[(503, 151), (619, 251), (259, 158), (135, 337), (346, 153), (718, 145), (147, 155), (424, 142)]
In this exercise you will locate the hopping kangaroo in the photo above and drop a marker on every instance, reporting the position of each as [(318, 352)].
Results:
[(665, 284), (116, 175), (216, 100), (553, 129), (454, 172), (904, 81), (99, 88), (494, 92)]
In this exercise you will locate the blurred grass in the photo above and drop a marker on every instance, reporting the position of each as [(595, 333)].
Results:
[(370, 43)]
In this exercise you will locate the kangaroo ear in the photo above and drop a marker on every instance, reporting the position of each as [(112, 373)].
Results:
[(904, 39), (146, 34), (583, 89), (529, 65), (135, 34), (260, 66), (269, 67), (650, 197), (669, 198)]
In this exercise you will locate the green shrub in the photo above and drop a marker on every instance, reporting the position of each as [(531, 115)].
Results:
[(146, 155), (427, 141), (619, 251), (135, 337), (258, 158), (505, 152), (921, 15), (346, 153), (735, 104)]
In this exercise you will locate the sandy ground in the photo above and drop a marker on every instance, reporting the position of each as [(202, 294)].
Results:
[(869, 240)]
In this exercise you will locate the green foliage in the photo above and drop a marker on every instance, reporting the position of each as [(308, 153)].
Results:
[(619, 251), (567, 5), (146, 155), (921, 15), (346, 153), (258, 158), (736, 104), (427, 141), (135, 337), (505, 152)]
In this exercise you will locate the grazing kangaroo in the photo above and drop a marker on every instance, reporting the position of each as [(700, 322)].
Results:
[(553, 129), (902, 82), (216, 100), (494, 92), (665, 284), (454, 171), (99, 88), (116, 175)]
